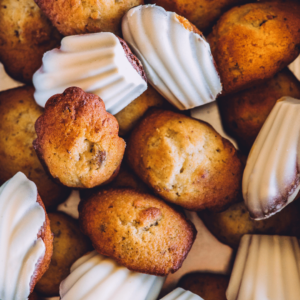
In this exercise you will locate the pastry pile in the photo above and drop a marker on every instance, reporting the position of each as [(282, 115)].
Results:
[(109, 115)]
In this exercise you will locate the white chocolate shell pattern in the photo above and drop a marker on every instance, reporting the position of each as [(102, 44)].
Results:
[(21, 219), (181, 294), (95, 277), (271, 176), (266, 268), (177, 61), (97, 63)]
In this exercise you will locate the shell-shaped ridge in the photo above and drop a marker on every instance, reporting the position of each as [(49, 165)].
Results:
[(95, 62), (266, 267), (271, 178), (178, 61), (181, 294), (94, 275), (21, 219)]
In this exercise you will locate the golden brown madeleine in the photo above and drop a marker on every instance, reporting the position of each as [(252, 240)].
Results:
[(18, 113), (245, 112), (185, 161), (69, 244), (251, 43), (230, 225), (207, 285), (140, 231), (25, 35), (202, 13), (77, 139), (132, 113), (46, 235), (75, 16)]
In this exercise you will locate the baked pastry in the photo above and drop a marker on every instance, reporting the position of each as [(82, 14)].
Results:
[(202, 13), (25, 34), (93, 276), (266, 267), (175, 55), (69, 244), (99, 63), (25, 237), (209, 286), (72, 17), (18, 113), (185, 161), (129, 116), (271, 176), (125, 179), (244, 113), (138, 230), (77, 140), (251, 43), (181, 294), (230, 225)]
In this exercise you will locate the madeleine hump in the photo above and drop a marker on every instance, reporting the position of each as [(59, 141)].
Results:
[(99, 63), (271, 176), (175, 55), (266, 268), (94, 277)]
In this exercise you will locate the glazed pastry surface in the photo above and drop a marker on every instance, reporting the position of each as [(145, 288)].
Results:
[(21, 219), (266, 268), (94, 275), (177, 60), (94, 62), (271, 176)]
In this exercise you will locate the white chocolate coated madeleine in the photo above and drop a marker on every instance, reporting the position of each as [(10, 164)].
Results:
[(271, 176), (95, 277), (181, 294), (176, 57), (21, 219), (266, 268), (97, 63)]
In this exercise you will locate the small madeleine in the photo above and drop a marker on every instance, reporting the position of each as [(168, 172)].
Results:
[(77, 140)]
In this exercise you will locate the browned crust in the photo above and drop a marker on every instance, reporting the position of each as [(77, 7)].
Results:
[(135, 62), (138, 230), (213, 182), (46, 235), (51, 130)]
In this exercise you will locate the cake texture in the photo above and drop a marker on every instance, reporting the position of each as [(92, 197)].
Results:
[(94, 277), (72, 17), (202, 13), (77, 140), (181, 294), (185, 161), (253, 42), (244, 113), (18, 113), (25, 34), (99, 63), (176, 57), (271, 176), (139, 231), (266, 267), (25, 237)]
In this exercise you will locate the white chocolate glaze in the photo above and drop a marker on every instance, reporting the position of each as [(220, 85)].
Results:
[(21, 219), (271, 176), (95, 62), (177, 61), (181, 294), (266, 268), (95, 277)]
